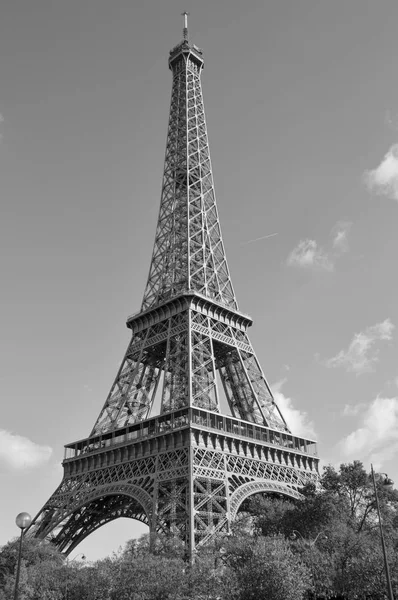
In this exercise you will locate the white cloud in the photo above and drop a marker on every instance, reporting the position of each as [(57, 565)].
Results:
[(384, 179), (340, 234), (389, 119), (377, 437), (361, 355), (18, 452), (352, 410), (297, 421), (307, 254)]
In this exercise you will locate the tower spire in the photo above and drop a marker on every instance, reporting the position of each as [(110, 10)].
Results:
[(188, 252), (185, 30)]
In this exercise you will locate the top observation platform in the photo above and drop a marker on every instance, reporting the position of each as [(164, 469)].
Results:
[(185, 49)]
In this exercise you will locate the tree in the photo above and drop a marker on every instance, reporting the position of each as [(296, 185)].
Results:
[(335, 553), (94, 581), (270, 513), (210, 576), (149, 578), (352, 488), (40, 561), (265, 568), (153, 543)]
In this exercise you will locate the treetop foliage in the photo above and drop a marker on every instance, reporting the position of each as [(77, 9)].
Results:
[(327, 545)]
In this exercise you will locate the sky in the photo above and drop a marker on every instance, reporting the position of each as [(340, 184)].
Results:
[(301, 101)]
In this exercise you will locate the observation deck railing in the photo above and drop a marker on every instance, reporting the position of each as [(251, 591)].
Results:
[(185, 418)]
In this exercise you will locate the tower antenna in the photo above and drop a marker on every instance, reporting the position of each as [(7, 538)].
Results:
[(185, 30)]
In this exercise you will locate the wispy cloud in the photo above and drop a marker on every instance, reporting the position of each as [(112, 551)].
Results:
[(362, 353), (391, 120), (352, 410), (376, 438), (384, 179), (308, 254), (340, 236), (298, 421), (18, 452)]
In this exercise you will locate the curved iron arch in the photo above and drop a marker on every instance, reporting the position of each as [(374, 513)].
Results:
[(82, 517), (255, 487)]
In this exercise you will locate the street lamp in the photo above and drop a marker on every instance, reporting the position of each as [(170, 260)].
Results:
[(310, 544), (23, 520), (387, 484)]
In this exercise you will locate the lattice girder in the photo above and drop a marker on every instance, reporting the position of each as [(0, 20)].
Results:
[(188, 251), (188, 470), (186, 351), (155, 489)]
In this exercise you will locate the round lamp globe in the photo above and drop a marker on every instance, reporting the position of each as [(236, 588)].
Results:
[(23, 520)]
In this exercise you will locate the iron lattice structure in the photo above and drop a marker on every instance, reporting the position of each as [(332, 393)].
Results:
[(187, 470)]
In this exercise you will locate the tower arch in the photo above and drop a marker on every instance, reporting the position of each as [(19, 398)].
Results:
[(256, 487), (84, 513)]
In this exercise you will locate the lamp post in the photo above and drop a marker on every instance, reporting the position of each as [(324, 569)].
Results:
[(387, 483), (311, 544), (23, 520)]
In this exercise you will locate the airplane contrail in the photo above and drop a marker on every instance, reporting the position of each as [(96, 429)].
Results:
[(264, 237)]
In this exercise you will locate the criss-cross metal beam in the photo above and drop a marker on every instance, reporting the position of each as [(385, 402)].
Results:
[(187, 470)]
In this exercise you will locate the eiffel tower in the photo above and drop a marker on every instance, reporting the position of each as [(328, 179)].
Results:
[(187, 470)]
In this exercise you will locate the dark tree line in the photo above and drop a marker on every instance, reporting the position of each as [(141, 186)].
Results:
[(326, 545)]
